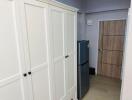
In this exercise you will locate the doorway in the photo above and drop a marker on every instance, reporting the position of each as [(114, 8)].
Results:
[(106, 85), (111, 44)]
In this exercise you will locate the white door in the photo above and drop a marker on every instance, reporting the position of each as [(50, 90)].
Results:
[(70, 51), (11, 55), (37, 49), (57, 42)]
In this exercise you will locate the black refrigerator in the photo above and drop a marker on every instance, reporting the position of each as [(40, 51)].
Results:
[(82, 68)]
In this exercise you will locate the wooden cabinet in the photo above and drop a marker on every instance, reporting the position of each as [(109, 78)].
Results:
[(38, 50)]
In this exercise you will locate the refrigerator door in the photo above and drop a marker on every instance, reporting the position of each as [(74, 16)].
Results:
[(83, 80), (86, 78), (82, 52)]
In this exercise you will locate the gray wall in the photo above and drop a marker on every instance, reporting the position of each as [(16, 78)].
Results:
[(74, 3), (105, 5), (92, 32), (97, 5), (81, 26)]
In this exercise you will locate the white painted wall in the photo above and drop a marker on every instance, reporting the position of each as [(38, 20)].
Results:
[(126, 93), (81, 26), (92, 32)]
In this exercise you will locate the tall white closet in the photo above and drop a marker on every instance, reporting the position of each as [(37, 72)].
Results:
[(37, 50)]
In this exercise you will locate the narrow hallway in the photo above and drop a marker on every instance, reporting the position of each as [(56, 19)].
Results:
[(103, 88)]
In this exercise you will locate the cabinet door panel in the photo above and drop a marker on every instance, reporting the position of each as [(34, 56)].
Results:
[(40, 84), (36, 34), (69, 30), (38, 51), (11, 91), (69, 63), (57, 42), (11, 61), (8, 45), (59, 79), (57, 29)]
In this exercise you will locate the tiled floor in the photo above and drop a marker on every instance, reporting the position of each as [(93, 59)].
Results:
[(102, 88)]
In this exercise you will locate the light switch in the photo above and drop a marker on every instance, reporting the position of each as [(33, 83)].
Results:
[(89, 22)]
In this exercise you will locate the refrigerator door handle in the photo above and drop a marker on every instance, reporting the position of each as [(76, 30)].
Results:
[(85, 63)]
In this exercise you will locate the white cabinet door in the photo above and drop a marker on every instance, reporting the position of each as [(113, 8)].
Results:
[(70, 50), (57, 43), (11, 55), (38, 49)]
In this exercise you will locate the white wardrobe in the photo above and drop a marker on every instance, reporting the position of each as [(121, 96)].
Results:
[(38, 57)]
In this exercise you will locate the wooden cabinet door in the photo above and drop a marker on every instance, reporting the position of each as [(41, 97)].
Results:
[(12, 82), (70, 51), (37, 51), (57, 43)]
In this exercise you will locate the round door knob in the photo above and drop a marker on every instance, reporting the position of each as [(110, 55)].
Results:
[(25, 74), (29, 73)]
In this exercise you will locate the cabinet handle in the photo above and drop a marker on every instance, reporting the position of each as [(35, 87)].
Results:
[(25, 74), (29, 73), (66, 56)]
